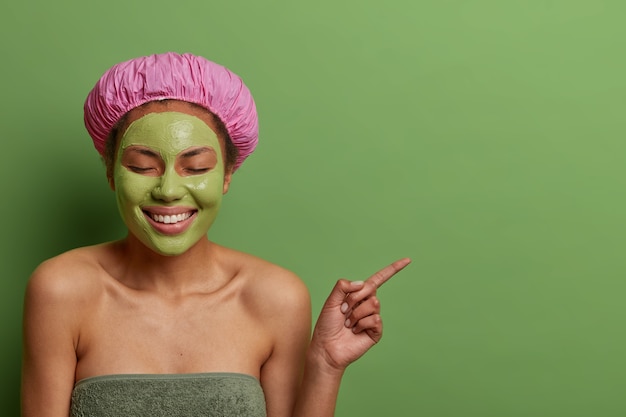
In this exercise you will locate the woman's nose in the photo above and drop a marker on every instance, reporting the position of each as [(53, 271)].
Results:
[(170, 188)]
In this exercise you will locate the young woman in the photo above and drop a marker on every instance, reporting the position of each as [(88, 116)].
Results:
[(165, 322)]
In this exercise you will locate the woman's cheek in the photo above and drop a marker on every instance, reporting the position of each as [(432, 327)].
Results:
[(208, 190), (133, 188)]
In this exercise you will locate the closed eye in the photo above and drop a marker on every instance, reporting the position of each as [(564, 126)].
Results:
[(197, 161), (196, 171), (140, 170), (141, 160)]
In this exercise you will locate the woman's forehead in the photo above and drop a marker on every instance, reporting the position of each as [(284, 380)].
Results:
[(178, 106), (169, 132)]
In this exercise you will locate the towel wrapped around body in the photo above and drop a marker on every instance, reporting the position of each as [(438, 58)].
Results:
[(172, 395)]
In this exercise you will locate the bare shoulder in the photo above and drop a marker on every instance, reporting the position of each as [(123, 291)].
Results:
[(68, 277), (270, 287)]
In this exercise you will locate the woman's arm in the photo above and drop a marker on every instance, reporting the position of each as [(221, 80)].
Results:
[(286, 310), (50, 336), (348, 326)]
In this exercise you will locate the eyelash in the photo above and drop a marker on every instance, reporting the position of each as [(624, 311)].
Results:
[(197, 170), (142, 170), (139, 170)]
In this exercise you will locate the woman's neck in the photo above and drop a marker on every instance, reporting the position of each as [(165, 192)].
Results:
[(194, 271)]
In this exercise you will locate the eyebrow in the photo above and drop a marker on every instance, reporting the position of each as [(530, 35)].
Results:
[(197, 151), (144, 151)]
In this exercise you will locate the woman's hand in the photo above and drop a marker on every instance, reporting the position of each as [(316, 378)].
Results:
[(350, 323)]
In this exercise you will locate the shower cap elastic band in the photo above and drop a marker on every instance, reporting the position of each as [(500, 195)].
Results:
[(174, 76)]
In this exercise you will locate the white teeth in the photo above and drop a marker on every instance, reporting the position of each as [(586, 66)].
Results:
[(171, 219)]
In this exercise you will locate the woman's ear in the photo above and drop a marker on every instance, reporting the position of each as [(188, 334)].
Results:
[(109, 173), (227, 177)]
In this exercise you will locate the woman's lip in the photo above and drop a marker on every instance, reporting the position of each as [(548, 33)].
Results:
[(172, 228), (168, 210)]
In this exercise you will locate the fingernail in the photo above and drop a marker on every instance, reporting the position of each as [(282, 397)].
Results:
[(357, 283), (347, 323), (344, 307)]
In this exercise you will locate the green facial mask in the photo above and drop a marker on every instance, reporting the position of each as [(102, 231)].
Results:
[(169, 180)]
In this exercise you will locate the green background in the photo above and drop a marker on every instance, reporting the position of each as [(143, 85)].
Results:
[(483, 139)]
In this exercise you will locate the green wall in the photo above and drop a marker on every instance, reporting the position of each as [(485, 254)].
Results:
[(485, 139)]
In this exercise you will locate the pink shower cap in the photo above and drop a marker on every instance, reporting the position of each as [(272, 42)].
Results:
[(174, 76)]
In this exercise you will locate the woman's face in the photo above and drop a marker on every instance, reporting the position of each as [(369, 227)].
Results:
[(169, 179)]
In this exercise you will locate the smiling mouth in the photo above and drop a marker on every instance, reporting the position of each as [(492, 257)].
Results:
[(169, 219)]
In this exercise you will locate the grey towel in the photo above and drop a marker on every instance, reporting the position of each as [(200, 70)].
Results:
[(171, 395)]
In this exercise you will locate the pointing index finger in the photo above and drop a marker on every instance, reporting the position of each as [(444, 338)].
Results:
[(382, 276)]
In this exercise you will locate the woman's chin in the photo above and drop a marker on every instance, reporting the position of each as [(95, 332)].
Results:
[(171, 246)]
